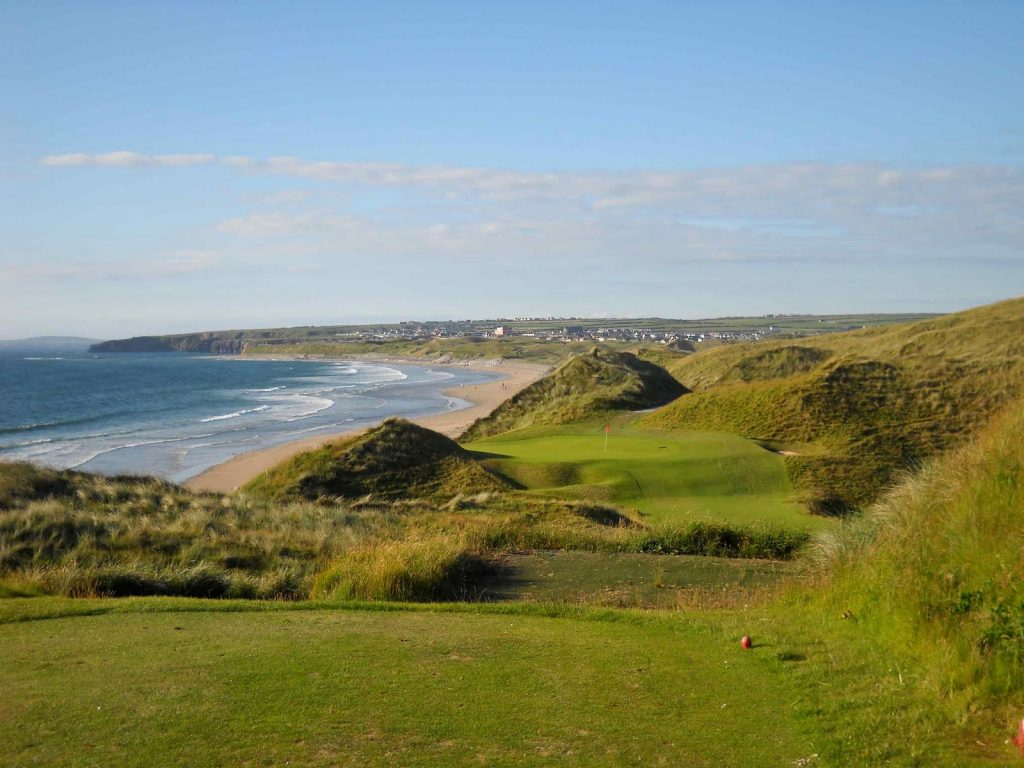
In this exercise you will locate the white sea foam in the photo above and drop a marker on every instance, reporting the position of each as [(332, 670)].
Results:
[(236, 414), (321, 427), (313, 405), (353, 389)]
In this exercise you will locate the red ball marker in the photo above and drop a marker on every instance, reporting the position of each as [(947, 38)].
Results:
[(745, 643)]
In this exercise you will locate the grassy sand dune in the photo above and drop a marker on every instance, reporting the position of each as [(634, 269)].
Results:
[(858, 406), (938, 566), (600, 381), (395, 460)]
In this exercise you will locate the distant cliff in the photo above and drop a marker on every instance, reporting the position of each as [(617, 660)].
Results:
[(227, 342), (222, 344)]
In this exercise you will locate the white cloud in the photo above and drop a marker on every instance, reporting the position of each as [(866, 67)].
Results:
[(776, 213), (125, 159), (167, 264)]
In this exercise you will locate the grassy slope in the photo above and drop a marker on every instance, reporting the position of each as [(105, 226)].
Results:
[(585, 385), (386, 688), (667, 475), (858, 406), (938, 567), (395, 460)]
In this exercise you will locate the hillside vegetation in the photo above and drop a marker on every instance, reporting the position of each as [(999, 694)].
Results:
[(78, 534), (937, 566), (395, 460), (585, 386), (857, 407)]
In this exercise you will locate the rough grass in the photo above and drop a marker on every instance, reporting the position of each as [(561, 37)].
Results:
[(77, 534), (764, 541), (396, 460), (937, 568), (584, 386), (437, 569), (859, 406)]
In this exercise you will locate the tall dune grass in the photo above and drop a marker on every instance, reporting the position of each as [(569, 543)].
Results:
[(424, 570), (938, 566), (77, 534)]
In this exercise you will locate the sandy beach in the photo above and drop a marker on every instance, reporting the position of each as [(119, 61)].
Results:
[(238, 470)]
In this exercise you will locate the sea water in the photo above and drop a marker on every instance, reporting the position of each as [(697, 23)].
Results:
[(176, 415)]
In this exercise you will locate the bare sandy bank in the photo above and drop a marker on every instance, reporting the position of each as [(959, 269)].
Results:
[(240, 469)]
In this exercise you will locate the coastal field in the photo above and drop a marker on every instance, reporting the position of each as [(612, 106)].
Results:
[(665, 475), (549, 591)]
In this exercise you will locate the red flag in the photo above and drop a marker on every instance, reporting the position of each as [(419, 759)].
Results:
[(607, 428)]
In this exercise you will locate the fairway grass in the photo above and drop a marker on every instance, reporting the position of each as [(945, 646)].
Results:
[(635, 580), (403, 687), (670, 476)]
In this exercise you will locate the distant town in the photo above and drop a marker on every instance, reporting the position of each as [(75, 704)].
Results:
[(652, 330)]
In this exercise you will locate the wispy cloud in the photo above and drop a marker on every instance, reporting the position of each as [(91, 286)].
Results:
[(772, 213), (166, 264), (707, 191), (125, 160)]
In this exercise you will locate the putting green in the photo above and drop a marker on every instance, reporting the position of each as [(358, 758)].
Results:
[(667, 475)]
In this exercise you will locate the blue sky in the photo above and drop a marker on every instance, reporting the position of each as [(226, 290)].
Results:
[(173, 167)]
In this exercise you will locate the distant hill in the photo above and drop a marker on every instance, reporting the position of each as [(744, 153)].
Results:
[(584, 386), (220, 342), (857, 407), (396, 460), (48, 344)]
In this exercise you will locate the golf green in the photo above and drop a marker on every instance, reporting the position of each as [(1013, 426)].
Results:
[(666, 475)]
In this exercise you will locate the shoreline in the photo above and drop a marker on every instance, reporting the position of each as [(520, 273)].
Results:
[(238, 470)]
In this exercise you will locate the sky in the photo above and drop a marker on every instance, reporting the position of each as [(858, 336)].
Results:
[(172, 167)]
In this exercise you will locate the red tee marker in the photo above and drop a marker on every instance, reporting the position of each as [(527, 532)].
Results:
[(745, 643), (1019, 738)]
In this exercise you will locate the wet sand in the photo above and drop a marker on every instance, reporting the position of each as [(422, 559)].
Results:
[(240, 469)]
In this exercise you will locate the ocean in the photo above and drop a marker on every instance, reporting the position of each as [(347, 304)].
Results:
[(176, 415)]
